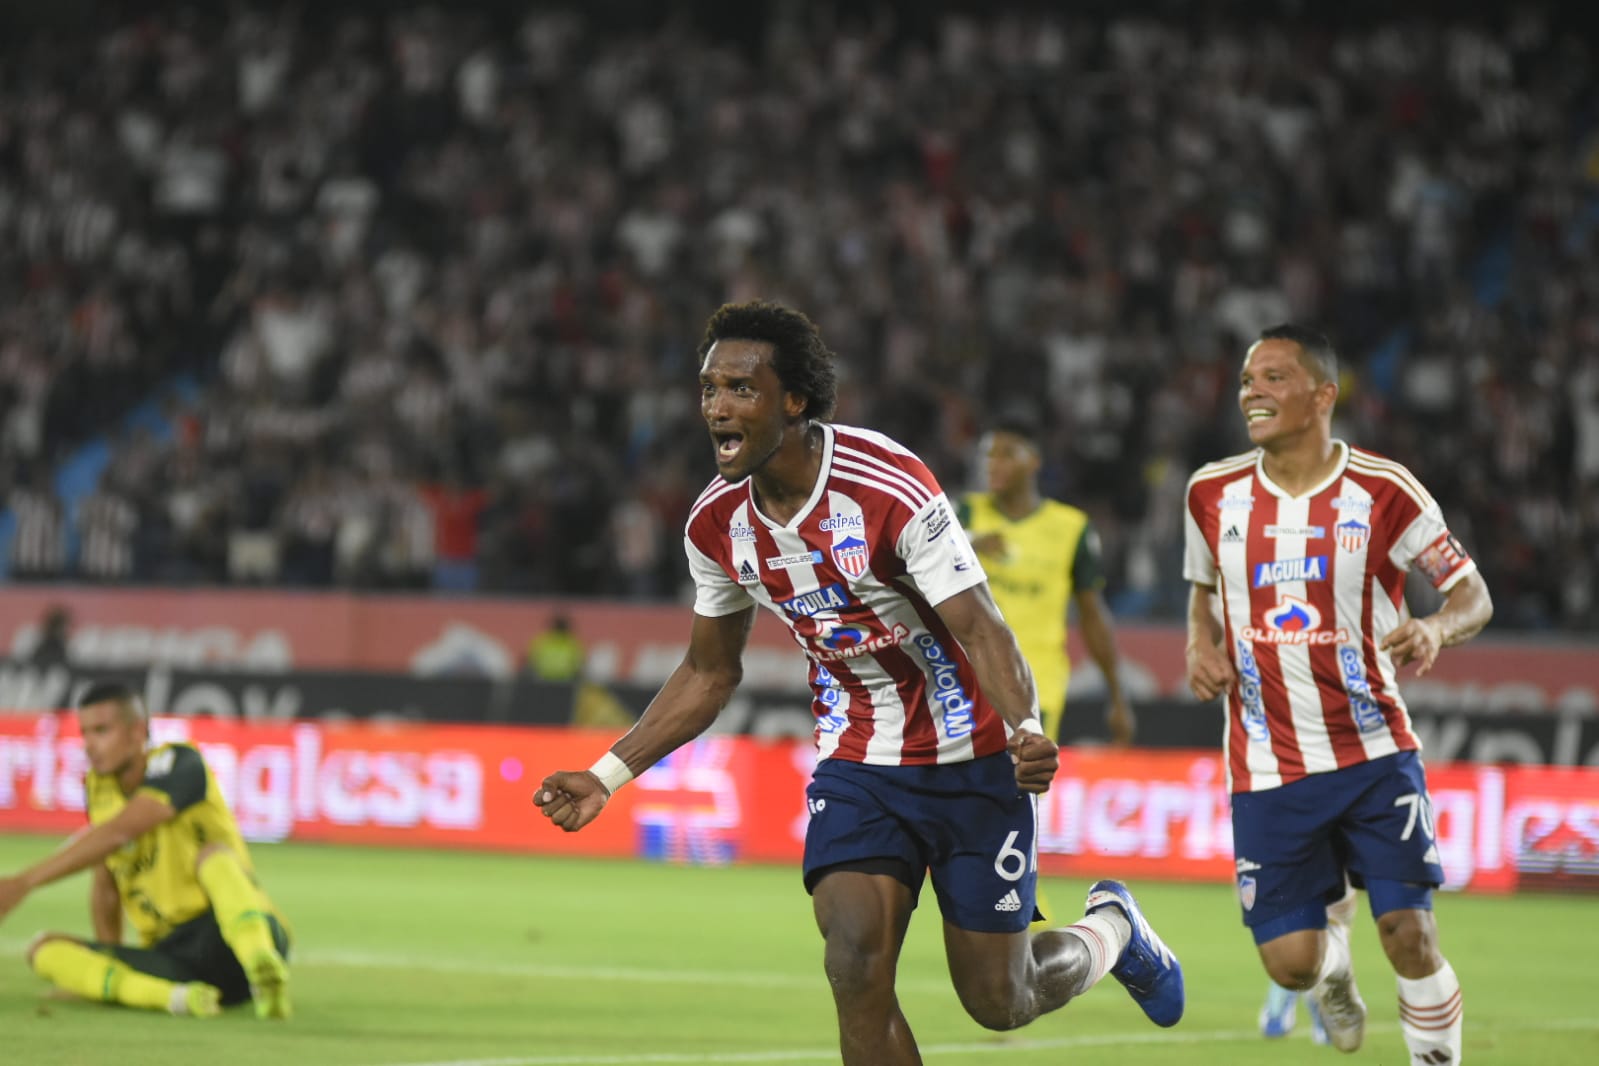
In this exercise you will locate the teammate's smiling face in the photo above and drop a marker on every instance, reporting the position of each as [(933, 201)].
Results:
[(745, 405), (1278, 393), (113, 736)]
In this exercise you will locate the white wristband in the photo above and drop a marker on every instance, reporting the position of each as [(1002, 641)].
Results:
[(612, 772), (1030, 725)]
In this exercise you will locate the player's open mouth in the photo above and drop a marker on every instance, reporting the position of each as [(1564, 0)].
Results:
[(1258, 414), (728, 445)]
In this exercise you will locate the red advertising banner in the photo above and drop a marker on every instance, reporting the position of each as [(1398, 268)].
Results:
[(640, 643), (1152, 815)]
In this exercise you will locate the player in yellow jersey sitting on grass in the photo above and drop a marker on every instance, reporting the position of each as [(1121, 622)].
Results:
[(165, 850), (1042, 558)]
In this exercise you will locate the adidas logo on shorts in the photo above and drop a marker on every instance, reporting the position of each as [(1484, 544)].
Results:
[(1009, 902)]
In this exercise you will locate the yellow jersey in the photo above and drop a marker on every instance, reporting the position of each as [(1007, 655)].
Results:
[(1049, 555), (155, 873)]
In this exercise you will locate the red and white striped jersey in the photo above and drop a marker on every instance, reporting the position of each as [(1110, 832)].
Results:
[(856, 575), (1309, 587)]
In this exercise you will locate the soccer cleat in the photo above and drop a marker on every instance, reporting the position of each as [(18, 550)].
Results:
[(1318, 1031), (1343, 1012), (269, 985), (1147, 968), (195, 1000), (1280, 1012)]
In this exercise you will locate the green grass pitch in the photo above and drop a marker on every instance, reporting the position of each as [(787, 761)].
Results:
[(406, 958)]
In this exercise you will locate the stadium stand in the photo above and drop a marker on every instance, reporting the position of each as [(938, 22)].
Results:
[(317, 297)]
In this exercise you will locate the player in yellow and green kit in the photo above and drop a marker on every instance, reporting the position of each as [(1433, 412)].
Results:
[(1043, 558), (164, 850)]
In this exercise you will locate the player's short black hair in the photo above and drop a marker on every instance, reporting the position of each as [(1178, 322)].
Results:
[(1018, 421), (804, 364), (1316, 350), (119, 692)]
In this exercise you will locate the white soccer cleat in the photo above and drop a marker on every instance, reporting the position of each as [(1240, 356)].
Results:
[(1337, 1000)]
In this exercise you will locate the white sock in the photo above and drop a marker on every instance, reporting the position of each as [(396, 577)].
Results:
[(1104, 938), (1336, 957), (1430, 1013), (1343, 912)]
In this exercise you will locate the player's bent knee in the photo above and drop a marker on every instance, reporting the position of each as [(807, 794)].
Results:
[(997, 1007), (1294, 964), (41, 940), (1294, 978), (1410, 940), (854, 970)]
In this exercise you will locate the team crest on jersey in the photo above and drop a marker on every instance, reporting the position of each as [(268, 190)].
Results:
[(1246, 892), (851, 556), (1353, 535)]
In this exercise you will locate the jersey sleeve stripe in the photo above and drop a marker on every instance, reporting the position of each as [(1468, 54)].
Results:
[(870, 464), (872, 436), (708, 497), (1395, 473), (881, 486), (1223, 467)]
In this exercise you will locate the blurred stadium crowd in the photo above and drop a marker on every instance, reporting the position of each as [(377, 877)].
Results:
[(412, 299)]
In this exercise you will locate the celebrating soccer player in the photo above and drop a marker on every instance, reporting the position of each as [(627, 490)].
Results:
[(1298, 552), (166, 851), (929, 743)]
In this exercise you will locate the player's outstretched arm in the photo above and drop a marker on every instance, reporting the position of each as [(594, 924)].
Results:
[(684, 708), (1007, 681), (82, 850), (1466, 609), (1210, 672)]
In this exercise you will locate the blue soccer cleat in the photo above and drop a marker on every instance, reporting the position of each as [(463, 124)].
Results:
[(1280, 1012), (1147, 968), (1318, 1031)]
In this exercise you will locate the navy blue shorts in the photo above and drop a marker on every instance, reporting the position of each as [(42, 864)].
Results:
[(1293, 844), (966, 822)]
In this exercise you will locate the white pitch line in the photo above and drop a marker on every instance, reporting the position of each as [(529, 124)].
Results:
[(995, 1047), (387, 961)]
